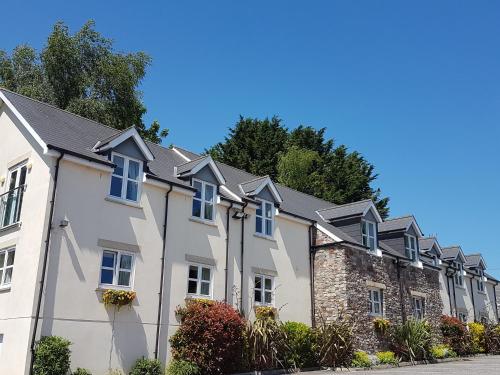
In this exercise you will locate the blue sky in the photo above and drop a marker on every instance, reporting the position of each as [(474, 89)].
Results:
[(414, 86)]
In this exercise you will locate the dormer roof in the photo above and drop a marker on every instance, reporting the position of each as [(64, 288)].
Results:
[(254, 187), (475, 261), (453, 253), (192, 167), (114, 140), (428, 243), (354, 209), (400, 224)]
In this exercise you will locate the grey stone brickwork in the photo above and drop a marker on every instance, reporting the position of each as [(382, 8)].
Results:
[(343, 274)]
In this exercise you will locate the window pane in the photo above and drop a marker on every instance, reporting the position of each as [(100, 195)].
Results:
[(126, 262), (1, 276), (2, 259), (365, 241), (192, 287), (205, 274), (269, 210), (258, 224), (258, 282), (371, 229), (116, 186), (193, 272), (268, 297), (106, 277), (22, 177), (268, 284), (197, 186), (124, 278), (209, 211), (375, 296), (132, 188), (363, 227), (209, 193), (133, 170), (406, 242), (269, 227), (372, 243), (10, 258), (377, 308), (8, 276), (196, 208), (119, 161), (108, 259), (258, 296), (259, 209), (205, 289)]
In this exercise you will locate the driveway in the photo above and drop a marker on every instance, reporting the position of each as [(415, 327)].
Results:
[(470, 366)]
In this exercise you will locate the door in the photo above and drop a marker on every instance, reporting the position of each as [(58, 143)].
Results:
[(12, 200)]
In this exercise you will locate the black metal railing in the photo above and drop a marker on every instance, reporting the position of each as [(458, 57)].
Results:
[(10, 206)]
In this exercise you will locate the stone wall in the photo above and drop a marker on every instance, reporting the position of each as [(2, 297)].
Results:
[(343, 275)]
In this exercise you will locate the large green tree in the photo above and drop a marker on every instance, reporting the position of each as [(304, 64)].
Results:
[(302, 159), (83, 74)]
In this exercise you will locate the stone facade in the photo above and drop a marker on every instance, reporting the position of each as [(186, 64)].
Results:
[(343, 274)]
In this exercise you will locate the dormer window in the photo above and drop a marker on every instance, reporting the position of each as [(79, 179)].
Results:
[(264, 218), (203, 201), (126, 178), (411, 247), (480, 282), (459, 274), (369, 234)]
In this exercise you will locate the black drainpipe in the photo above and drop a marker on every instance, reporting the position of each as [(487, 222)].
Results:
[(455, 298), (449, 292), (227, 251), (401, 290), (312, 253), (495, 297), (472, 297), (162, 274), (242, 255), (44, 266)]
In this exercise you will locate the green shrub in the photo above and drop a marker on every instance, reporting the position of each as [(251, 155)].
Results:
[(387, 358), (442, 351), (211, 335), (180, 367), (52, 356), (81, 371), (145, 366), (492, 339), (411, 340), (456, 335), (299, 351), (335, 342), (476, 331), (381, 325), (361, 359)]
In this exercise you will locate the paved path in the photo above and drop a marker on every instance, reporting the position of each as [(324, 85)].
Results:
[(471, 366)]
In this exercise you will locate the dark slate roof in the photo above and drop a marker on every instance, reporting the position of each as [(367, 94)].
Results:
[(450, 252), (473, 260), (398, 223), (188, 166), (389, 250), (345, 210), (491, 277), (425, 244), (249, 187)]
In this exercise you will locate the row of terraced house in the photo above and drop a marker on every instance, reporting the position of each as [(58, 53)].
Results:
[(85, 208)]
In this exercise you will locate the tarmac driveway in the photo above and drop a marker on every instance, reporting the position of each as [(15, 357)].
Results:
[(470, 366)]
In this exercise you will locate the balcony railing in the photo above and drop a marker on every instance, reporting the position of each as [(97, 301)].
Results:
[(10, 206)]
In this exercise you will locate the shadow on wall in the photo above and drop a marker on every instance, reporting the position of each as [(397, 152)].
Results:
[(128, 338)]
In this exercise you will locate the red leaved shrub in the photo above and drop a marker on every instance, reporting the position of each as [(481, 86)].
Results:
[(456, 335), (211, 335)]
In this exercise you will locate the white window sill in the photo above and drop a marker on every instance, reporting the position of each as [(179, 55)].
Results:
[(190, 297), (103, 287), (376, 315), (483, 293), (199, 220), (11, 226), (256, 304), (460, 287), (376, 252), (417, 264), (264, 237), (5, 288), (123, 201)]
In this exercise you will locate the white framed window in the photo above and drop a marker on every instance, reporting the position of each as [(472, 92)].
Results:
[(126, 178), (480, 282), (459, 274), (11, 201), (375, 305), (6, 267), (411, 247), (462, 317), (117, 268), (264, 218), (369, 234), (263, 290), (200, 281), (418, 307), (203, 201), (1, 344)]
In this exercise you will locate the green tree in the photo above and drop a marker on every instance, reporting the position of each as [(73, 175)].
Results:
[(82, 73), (302, 159)]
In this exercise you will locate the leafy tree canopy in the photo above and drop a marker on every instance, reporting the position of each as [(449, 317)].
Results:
[(302, 159), (83, 74)]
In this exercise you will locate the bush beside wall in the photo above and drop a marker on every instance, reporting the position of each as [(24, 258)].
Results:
[(52, 356)]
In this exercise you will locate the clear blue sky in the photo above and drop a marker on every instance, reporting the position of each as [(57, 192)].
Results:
[(414, 86)]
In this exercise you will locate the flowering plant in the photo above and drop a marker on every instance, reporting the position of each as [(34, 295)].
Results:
[(118, 298)]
